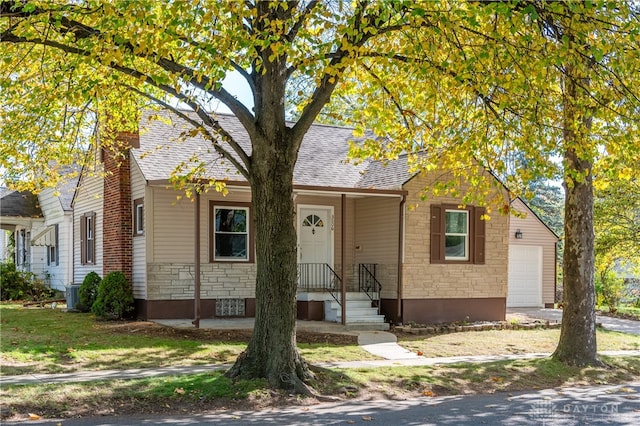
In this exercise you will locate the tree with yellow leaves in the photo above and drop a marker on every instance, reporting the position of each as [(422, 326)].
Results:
[(463, 82)]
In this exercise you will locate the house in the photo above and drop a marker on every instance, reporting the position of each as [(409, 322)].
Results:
[(437, 262), (20, 215), (42, 229)]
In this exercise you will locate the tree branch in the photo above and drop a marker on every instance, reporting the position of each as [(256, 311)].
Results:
[(165, 88), (226, 137), (298, 24)]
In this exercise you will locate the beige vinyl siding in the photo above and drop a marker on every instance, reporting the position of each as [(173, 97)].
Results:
[(376, 240), (139, 258), (170, 273), (172, 228), (536, 233), (422, 279), (89, 198)]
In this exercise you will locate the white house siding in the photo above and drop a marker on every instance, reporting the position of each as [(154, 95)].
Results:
[(376, 231), (535, 233), (62, 273), (89, 198), (139, 255)]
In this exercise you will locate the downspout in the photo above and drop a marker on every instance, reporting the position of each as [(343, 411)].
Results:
[(196, 267), (555, 275), (400, 251), (343, 239)]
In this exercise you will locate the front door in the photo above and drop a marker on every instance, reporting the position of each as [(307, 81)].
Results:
[(315, 244)]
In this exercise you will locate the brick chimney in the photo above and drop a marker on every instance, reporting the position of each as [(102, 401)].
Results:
[(117, 216)]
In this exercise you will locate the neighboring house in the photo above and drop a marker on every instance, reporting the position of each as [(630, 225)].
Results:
[(437, 262), (42, 226), (21, 215)]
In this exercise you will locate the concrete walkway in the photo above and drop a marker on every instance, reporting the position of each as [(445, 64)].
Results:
[(609, 323)]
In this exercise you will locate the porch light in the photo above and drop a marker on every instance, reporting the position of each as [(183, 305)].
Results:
[(518, 235)]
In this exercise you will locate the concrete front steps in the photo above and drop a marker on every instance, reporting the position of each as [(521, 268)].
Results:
[(359, 313)]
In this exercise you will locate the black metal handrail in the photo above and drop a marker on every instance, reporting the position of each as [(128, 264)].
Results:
[(368, 283), (320, 277)]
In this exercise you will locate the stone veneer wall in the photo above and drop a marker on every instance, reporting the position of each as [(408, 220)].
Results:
[(424, 280), (175, 281)]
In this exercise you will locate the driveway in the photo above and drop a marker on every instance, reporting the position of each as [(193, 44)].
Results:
[(609, 323)]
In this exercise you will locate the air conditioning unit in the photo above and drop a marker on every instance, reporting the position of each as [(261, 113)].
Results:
[(72, 294)]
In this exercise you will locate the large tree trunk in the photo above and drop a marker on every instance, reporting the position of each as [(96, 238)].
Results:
[(272, 352), (577, 345)]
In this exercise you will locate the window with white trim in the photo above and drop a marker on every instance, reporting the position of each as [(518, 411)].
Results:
[(231, 237), (53, 255), (457, 234), (87, 238), (456, 241), (138, 217)]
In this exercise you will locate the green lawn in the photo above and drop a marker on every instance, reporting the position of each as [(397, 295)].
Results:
[(495, 342), (46, 340), (53, 341), (624, 310)]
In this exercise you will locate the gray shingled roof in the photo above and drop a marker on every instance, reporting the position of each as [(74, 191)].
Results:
[(322, 159), (19, 204)]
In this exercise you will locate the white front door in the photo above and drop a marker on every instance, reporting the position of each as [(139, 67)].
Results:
[(314, 235), (315, 244)]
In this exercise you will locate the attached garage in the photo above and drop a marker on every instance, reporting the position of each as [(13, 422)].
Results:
[(525, 276), (532, 260)]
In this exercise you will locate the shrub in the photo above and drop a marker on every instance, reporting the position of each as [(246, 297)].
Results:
[(115, 297), (609, 290), (88, 292), (20, 285)]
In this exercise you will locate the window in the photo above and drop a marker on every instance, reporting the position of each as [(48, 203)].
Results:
[(53, 258), (231, 239), (138, 217), (457, 234), (87, 238)]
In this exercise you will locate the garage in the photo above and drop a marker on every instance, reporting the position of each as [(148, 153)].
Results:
[(525, 276)]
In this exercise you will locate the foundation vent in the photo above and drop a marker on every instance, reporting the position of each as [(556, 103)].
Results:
[(229, 307)]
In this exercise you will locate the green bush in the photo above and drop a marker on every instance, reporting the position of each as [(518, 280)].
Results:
[(115, 297), (20, 285), (609, 290), (88, 292)]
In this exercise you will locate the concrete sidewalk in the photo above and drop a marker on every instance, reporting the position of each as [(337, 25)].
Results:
[(141, 373)]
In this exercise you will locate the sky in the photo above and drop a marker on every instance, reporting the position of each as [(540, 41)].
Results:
[(235, 84)]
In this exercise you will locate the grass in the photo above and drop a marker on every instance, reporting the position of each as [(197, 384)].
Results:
[(36, 340), (495, 342), (198, 392), (627, 310), (46, 340)]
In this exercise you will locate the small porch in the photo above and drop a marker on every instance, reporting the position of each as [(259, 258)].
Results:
[(324, 296)]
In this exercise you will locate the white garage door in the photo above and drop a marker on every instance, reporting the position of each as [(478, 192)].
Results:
[(525, 276)]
